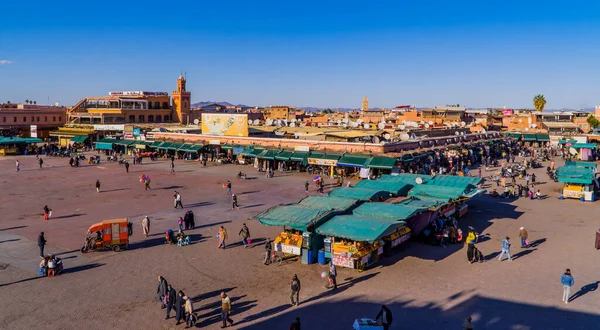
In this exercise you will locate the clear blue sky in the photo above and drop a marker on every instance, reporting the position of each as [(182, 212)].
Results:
[(306, 53)]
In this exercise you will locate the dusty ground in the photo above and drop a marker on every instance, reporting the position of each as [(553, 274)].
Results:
[(426, 287)]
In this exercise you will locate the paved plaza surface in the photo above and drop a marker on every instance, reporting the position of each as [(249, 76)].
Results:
[(426, 287)]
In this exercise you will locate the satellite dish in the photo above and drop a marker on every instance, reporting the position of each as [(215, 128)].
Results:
[(463, 124), (526, 129), (455, 124), (366, 126), (345, 126), (302, 124), (387, 136), (249, 121), (462, 133), (483, 130), (376, 139), (403, 121), (339, 121), (292, 124), (162, 130), (402, 127), (404, 137), (421, 122), (419, 180), (533, 125), (196, 121), (456, 133), (383, 121), (426, 125), (430, 122), (268, 122), (256, 122), (381, 125)]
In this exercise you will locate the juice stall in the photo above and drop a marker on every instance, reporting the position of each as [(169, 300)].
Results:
[(579, 179)]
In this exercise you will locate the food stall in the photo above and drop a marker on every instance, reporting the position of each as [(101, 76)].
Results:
[(289, 242), (357, 241), (579, 179)]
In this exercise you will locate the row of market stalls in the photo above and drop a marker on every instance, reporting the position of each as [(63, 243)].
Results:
[(355, 226), (579, 180), (581, 150), (13, 145), (540, 138)]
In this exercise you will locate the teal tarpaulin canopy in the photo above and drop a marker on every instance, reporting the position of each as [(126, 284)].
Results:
[(124, 142), (584, 145), (18, 140), (284, 155), (299, 217), (350, 160), (358, 193), (387, 211), (543, 137), (79, 139), (329, 202), (379, 162), (103, 146), (358, 228), (398, 188), (580, 164)]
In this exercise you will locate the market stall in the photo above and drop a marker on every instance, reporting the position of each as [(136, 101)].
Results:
[(580, 181)]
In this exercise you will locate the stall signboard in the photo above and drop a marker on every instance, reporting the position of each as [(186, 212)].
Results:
[(572, 193), (128, 135), (400, 239), (301, 148), (136, 131), (215, 142), (291, 249), (322, 162), (33, 130), (101, 127), (449, 211), (342, 261), (225, 124)]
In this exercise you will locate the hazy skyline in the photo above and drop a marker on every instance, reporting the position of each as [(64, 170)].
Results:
[(321, 54)]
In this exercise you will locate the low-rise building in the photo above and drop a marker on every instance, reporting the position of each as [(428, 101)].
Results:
[(27, 120)]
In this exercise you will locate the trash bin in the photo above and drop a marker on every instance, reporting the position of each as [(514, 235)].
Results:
[(322, 257), (311, 258), (598, 239)]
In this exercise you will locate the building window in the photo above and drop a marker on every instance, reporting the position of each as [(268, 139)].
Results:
[(4, 119), (53, 118), (45, 118), (38, 119), (158, 118), (32, 119), (156, 105), (165, 105), (150, 118), (59, 118), (14, 119), (132, 118), (141, 118), (24, 119), (167, 118)]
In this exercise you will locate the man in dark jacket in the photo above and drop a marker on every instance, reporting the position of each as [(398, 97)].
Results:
[(179, 304), (171, 298), (386, 317), (295, 288), (41, 243), (296, 324), (162, 290), (186, 220), (192, 222)]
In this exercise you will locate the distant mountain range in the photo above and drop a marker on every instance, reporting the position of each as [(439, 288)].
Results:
[(223, 103)]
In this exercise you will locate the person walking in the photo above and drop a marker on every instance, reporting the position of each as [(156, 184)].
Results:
[(147, 184), (386, 317), (234, 202), (306, 185), (47, 212), (468, 325), (97, 186), (505, 249), (245, 233), (222, 237), (333, 274), (295, 286), (180, 224), (225, 310), (126, 167), (321, 186), (161, 291), (268, 250), (228, 187), (179, 307), (178, 199), (189, 311), (41, 161), (18, 165), (172, 167), (470, 240), (524, 236), (146, 226), (41, 243), (567, 282), (171, 297), (296, 324)]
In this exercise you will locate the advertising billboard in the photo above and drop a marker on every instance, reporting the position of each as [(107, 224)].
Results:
[(225, 124), (33, 130)]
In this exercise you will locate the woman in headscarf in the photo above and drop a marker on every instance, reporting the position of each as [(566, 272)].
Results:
[(179, 303), (146, 226)]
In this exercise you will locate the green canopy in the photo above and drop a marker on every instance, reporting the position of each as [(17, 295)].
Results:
[(103, 145), (195, 148), (332, 156), (18, 140), (299, 217), (454, 181), (349, 160), (156, 144), (268, 154), (124, 142), (580, 164), (379, 162), (175, 146), (329, 202), (423, 203), (543, 137), (406, 177), (226, 146), (284, 155), (358, 228), (300, 156), (79, 139), (185, 147), (397, 188), (529, 137), (358, 193), (424, 191), (316, 155), (567, 141), (584, 145), (165, 146), (387, 211), (575, 174)]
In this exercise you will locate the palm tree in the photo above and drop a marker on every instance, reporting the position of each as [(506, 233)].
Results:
[(34, 102), (26, 101), (539, 101), (7, 102)]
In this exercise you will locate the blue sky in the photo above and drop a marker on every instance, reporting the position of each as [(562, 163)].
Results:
[(306, 53)]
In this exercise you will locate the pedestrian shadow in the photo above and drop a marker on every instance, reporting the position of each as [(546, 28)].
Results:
[(212, 224), (197, 204), (250, 206), (584, 290), (491, 256), (350, 282), (217, 304), (69, 270), (23, 280), (265, 313), (483, 238), (214, 316), (10, 240), (248, 192), (147, 243), (211, 294), (197, 238), (11, 228), (537, 242), (69, 216), (169, 188), (113, 190), (522, 253), (66, 252)]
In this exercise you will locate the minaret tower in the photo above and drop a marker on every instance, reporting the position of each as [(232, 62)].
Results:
[(181, 102), (365, 104)]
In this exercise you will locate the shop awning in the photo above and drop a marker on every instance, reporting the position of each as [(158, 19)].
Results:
[(155, 144), (185, 147), (528, 137), (299, 156), (424, 191), (585, 145), (332, 156), (284, 155), (195, 148), (226, 146), (268, 154), (295, 216), (353, 161), (165, 146), (358, 228), (580, 164), (79, 139), (386, 163), (394, 212), (567, 141), (316, 155), (358, 193), (252, 153), (125, 142), (103, 146), (514, 135), (398, 188), (329, 202), (543, 137), (174, 146)]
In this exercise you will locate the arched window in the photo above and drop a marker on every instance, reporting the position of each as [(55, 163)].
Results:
[(45, 118), (158, 118), (14, 119), (132, 118), (4, 119), (53, 118), (150, 118), (24, 119), (141, 118)]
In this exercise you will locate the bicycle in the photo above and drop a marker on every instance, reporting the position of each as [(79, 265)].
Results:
[(275, 258)]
